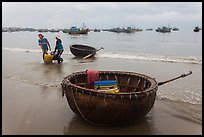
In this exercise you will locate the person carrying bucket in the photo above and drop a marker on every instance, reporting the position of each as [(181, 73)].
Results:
[(44, 44), (59, 48)]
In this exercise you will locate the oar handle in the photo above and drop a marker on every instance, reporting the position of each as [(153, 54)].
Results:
[(97, 50), (92, 53), (181, 76)]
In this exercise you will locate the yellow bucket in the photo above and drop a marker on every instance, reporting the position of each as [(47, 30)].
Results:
[(106, 87), (113, 90), (48, 58)]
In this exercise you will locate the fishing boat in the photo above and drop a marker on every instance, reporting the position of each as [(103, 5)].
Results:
[(136, 97), (81, 50), (196, 29), (149, 29), (75, 30), (175, 29), (163, 29), (97, 30)]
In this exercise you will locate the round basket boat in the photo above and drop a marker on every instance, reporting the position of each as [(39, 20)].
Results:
[(135, 99), (80, 50)]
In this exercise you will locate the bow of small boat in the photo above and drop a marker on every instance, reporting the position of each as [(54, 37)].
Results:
[(80, 50)]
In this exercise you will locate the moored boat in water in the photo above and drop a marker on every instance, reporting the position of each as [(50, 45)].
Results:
[(196, 29), (75, 30), (163, 29), (175, 29), (149, 29)]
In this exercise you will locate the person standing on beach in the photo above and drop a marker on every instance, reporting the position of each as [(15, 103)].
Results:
[(44, 44), (59, 48)]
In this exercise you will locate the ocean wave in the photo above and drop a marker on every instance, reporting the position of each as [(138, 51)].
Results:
[(160, 58), (146, 57), (194, 101), (189, 109), (35, 83), (28, 50), (21, 49)]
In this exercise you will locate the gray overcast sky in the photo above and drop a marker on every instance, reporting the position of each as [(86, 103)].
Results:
[(101, 14)]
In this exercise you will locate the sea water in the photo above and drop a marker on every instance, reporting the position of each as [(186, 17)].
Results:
[(160, 55)]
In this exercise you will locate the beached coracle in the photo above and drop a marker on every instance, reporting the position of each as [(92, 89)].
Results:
[(134, 100), (80, 50)]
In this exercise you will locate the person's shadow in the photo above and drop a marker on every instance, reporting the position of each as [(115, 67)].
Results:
[(81, 60)]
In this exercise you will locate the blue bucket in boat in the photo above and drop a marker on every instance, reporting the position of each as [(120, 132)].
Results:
[(105, 83)]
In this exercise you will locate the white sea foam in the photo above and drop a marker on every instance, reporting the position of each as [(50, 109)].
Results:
[(21, 49), (27, 50), (118, 55), (161, 58)]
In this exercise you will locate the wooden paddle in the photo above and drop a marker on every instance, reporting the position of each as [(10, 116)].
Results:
[(92, 53), (181, 76)]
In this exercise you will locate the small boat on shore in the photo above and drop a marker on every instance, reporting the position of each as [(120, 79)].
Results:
[(136, 97), (80, 50)]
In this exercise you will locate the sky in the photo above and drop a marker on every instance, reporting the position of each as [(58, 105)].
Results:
[(101, 15)]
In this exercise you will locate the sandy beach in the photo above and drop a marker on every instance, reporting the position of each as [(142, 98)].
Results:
[(33, 110), (33, 103)]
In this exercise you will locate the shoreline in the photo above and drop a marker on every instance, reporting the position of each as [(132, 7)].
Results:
[(55, 117), (32, 102)]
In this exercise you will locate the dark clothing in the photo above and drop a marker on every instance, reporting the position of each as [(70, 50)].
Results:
[(58, 56), (59, 48), (59, 53), (59, 45)]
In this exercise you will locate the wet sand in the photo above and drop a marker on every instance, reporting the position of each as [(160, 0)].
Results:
[(34, 110), (30, 107)]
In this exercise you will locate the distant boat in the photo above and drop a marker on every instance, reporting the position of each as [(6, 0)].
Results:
[(175, 29), (75, 30), (96, 30), (129, 30), (125, 30), (137, 29), (150, 29), (163, 29), (196, 29), (116, 30), (43, 30)]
